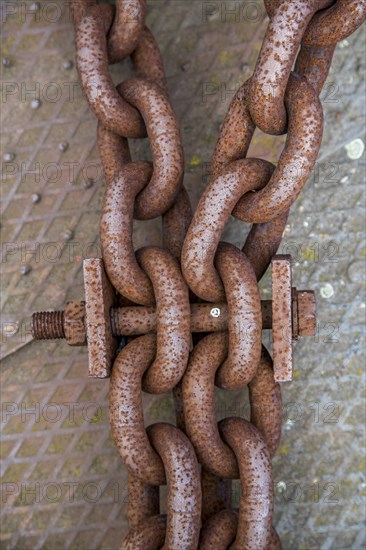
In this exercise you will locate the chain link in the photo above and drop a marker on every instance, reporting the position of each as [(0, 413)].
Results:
[(199, 457)]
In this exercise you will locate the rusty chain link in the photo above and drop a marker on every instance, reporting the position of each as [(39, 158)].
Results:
[(158, 296)]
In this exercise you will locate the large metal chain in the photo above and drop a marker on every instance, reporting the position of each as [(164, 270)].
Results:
[(162, 288)]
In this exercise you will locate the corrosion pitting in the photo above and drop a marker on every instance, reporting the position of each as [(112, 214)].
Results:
[(195, 284)]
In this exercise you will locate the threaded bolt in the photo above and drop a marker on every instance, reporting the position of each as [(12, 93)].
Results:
[(48, 325)]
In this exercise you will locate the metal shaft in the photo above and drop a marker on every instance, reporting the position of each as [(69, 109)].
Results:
[(137, 320)]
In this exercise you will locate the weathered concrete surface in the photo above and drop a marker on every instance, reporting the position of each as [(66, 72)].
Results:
[(63, 483)]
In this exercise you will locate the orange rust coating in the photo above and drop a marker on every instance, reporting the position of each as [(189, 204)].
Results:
[(149, 535), (212, 213), (135, 321), (219, 532), (297, 160), (116, 233), (216, 493), (113, 151), (126, 414), (147, 59), (100, 297), (256, 500), (80, 9), (236, 132), (92, 63), (175, 224), (199, 405), (266, 403), (313, 63), (74, 323), (336, 23), (233, 144), (184, 488), (274, 541), (244, 318), (178, 406), (281, 318), (306, 306), (276, 58), (143, 501), (272, 5), (126, 29), (173, 319), (263, 241), (166, 147)]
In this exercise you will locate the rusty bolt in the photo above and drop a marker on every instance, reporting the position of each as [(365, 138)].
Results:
[(68, 324), (74, 323), (137, 320), (98, 320), (48, 325)]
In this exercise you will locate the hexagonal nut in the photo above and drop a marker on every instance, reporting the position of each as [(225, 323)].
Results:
[(74, 323)]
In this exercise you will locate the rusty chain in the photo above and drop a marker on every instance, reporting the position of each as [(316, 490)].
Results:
[(158, 297)]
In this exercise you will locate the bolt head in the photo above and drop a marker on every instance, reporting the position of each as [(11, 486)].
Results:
[(63, 146), (25, 269), (35, 104), (8, 157), (68, 64), (68, 235), (88, 183)]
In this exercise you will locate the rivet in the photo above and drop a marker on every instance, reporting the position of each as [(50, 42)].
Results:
[(244, 67), (8, 157), (68, 64), (6, 62), (35, 103), (25, 269), (36, 198), (68, 234), (88, 183), (35, 6), (185, 66), (281, 486), (63, 146)]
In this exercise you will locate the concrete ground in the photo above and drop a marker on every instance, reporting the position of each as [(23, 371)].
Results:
[(63, 484)]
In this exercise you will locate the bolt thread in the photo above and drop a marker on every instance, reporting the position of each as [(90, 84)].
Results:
[(48, 325)]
